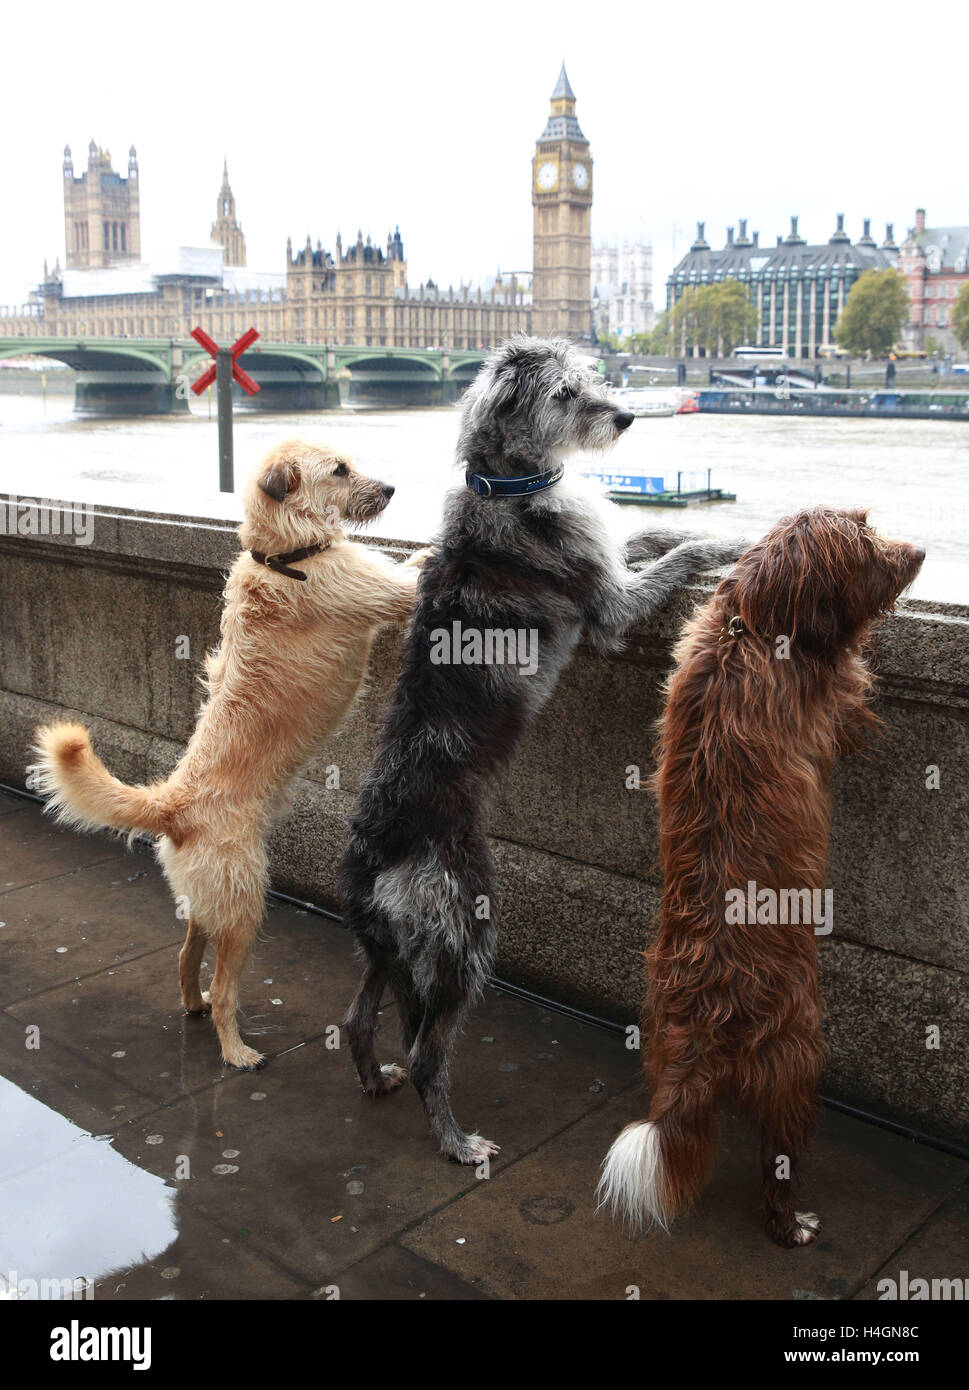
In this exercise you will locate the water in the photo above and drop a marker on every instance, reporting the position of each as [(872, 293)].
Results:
[(73, 1208), (910, 473)]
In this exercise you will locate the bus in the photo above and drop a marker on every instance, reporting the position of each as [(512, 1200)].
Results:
[(758, 354)]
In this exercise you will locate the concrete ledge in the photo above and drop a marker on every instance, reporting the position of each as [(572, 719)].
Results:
[(91, 632)]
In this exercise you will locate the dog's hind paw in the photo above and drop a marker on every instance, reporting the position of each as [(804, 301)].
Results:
[(244, 1059), (473, 1150), (389, 1078), (807, 1228)]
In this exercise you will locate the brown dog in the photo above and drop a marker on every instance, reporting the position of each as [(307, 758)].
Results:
[(302, 606), (770, 683)]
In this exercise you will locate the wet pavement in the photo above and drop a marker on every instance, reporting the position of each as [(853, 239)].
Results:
[(133, 1162)]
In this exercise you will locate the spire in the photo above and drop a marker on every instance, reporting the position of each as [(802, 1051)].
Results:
[(226, 229), (562, 124), (563, 87)]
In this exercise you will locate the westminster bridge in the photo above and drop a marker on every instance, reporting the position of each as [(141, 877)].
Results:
[(153, 376)]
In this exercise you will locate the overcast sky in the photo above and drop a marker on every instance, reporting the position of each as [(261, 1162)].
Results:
[(426, 114)]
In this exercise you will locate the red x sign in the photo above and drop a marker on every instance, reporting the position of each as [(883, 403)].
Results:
[(237, 349)]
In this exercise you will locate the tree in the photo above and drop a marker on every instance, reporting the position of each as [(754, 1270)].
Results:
[(960, 318), (712, 318), (874, 315), (731, 316), (684, 321), (655, 343)]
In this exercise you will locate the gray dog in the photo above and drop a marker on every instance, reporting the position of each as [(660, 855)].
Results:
[(526, 565)]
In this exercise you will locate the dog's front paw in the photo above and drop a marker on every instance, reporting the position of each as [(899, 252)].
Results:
[(727, 552), (419, 556)]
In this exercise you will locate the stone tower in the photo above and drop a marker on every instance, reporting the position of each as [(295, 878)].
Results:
[(562, 200), (225, 229), (102, 214)]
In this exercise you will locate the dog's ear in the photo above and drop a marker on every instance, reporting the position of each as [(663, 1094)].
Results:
[(280, 478), (798, 581), (764, 585), (505, 389)]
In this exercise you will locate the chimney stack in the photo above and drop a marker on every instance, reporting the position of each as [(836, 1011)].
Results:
[(919, 220)]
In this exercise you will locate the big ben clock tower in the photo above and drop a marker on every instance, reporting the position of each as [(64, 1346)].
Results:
[(562, 199)]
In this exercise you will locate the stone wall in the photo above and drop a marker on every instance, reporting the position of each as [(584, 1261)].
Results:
[(91, 631)]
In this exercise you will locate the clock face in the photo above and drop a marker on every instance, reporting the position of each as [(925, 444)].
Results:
[(548, 175), (580, 175)]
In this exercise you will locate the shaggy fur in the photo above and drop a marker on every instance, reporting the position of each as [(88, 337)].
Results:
[(291, 660), (418, 880), (747, 743)]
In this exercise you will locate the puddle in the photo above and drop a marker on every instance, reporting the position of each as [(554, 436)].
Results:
[(71, 1208)]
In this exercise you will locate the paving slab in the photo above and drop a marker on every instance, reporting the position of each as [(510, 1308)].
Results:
[(937, 1253), (537, 1235), (77, 924), (84, 1094), (35, 847), (10, 803), (328, 1175), (393, 1273), (130, 1156), (201, 1263)]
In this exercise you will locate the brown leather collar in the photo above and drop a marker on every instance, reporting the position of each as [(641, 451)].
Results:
[(280, 563)]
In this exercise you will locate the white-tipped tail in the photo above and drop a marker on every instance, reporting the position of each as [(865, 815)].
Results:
[(632, 1183)]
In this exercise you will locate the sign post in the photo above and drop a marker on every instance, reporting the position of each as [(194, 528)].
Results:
[(223, 372)]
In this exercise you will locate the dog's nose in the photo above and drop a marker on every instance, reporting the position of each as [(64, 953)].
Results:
[(624, 419), (919, 553), (388, 491)]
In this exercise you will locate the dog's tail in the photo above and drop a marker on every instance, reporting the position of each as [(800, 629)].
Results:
[(658, 1165), (81, 792)]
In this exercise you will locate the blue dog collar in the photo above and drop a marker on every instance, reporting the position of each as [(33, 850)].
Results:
[(512, 487)]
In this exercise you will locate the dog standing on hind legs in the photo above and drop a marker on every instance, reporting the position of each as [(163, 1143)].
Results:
[(303, 604), (748, 738), (521, 551)]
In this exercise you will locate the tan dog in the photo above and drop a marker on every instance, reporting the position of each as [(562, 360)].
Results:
[(296, 634)]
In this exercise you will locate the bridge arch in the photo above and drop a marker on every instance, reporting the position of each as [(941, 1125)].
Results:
[(89, 354), (390, 360), (271, 357)]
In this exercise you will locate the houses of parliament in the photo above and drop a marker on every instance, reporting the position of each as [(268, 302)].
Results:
[(356, 293)]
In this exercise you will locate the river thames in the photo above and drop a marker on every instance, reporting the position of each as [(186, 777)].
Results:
[(911, 474)]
